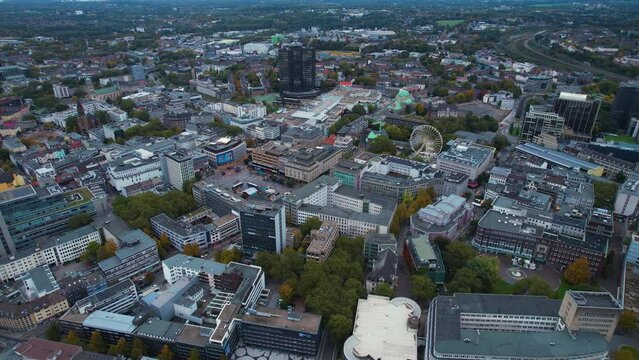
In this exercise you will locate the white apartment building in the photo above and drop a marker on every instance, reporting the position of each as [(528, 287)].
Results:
[(61, 91), (132, 169), (627, 198), (54, 251), (466, 158), (180, 265), (353, 212), (179, 169), (243, 110)]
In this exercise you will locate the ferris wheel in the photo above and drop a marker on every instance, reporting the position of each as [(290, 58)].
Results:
[(426, 141)]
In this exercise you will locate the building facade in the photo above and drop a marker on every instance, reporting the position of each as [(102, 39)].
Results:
[(297, 71)]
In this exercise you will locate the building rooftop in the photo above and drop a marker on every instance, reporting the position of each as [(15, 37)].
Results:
[(381, 329), (310, 188), (41, 349), (503, 344), (132, 243), (70, 235), (160, 329), (109, 321), (510, 223), (599, 299), (556, 157), (282, 319), (195, 335), (40, 279), (466, 153), (195, 263)]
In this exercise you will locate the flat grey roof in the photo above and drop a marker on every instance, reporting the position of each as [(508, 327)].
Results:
[(156, 328), (279, 319), (556, 157), (508, 223), (110, 321), (598, 299), (204, 265), (383, 218), (546, 345), (310, 188)]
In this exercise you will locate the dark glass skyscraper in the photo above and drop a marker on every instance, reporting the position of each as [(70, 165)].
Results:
[(296, 65), (579, 113), (626, 104)]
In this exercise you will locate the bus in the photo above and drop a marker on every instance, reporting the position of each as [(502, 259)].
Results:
[(237, 185), (252, 185)]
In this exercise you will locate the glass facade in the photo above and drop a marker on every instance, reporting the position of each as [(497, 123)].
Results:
[(33, 214)]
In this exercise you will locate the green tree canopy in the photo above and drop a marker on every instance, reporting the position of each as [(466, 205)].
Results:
[(422, 287), (384, 289)]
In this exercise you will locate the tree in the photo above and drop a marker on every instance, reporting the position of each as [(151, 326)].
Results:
[(578, 272), (500, 142), (79, 221), (107, 250), (622, 355), (286, 292), (194, 355), (96, 344), (120, 348), (359, 109), (192, 249), (605, 194), (127, 105), (384, 289), (382, 145), (72, 339), (312, 223), (533, 285), (486, 269), (457, 255), (229, 255), (620, 177), (233, 130), (465, 281), (90, 255), (340, 327), (422, 287), (53, 331), (137, 349), (165, 353), (71, 124), (420, 109), (149, 277), (627, 321), (102, 116), (483, 178)]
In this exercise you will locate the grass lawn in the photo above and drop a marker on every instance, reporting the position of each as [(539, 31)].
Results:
[(269, 98), (449, 23), (502, 287), (561, 291), (620, 138), (635, 352)]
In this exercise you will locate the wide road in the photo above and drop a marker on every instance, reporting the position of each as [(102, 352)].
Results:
[(522, 45)]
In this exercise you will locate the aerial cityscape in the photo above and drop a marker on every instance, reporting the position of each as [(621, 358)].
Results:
[(319, 180)]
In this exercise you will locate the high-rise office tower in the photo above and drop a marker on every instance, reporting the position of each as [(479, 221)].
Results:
[(177, 168), (541, 127), (579, 113), (137, 72), (626, 104), (296, 65), (263, 228)]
